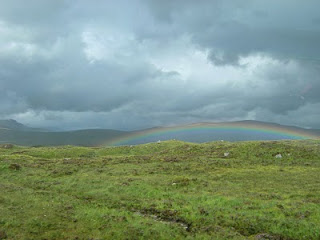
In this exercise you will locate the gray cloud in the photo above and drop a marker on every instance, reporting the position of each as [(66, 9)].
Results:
[(232, 30), (147, 63)]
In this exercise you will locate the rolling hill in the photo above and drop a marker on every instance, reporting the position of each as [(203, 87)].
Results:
[(14, 125), (19, 134)]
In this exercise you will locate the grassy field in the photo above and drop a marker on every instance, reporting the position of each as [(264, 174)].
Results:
[(167, 190)]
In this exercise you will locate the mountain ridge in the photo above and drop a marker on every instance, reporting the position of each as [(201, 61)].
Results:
[(14, 132), (14, 125)]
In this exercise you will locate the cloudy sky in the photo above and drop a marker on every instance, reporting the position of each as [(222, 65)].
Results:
[(142, 63)]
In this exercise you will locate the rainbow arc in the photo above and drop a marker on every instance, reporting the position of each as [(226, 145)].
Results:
[(278, 131)]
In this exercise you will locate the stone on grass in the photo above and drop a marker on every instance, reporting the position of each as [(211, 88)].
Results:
[(7, 146)]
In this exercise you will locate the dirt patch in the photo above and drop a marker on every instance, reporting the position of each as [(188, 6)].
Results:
[(19, 152), (3, 235), (171, 159), (267, 236), (70, 161), (15, 166), (166, 216)]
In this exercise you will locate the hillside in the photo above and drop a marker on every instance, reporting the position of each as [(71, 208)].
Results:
[(89, 137), (14, 125), (168, 190), (16, 133)]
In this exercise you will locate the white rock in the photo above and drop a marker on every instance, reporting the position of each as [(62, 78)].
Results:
[(279, 155), (226, 154)]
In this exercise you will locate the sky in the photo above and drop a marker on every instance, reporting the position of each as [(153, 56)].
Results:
[(143, 63)]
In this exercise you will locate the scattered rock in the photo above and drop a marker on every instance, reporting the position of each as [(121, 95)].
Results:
[(266, 236), (278, 155), (7, 146), (15, 166)]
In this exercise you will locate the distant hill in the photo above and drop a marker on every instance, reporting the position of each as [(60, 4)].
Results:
[(14, 125), (90, 137), (226, 131), (16, 133)]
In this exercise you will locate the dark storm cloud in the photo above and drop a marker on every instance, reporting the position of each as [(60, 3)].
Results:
[(144, 63), (231, 29)]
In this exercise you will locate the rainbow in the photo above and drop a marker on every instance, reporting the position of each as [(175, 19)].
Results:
[(246, 127)]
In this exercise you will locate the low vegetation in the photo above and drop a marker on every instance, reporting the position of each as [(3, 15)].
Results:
[(167, 190)]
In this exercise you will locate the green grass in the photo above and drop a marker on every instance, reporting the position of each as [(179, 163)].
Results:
[(171, 190)]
